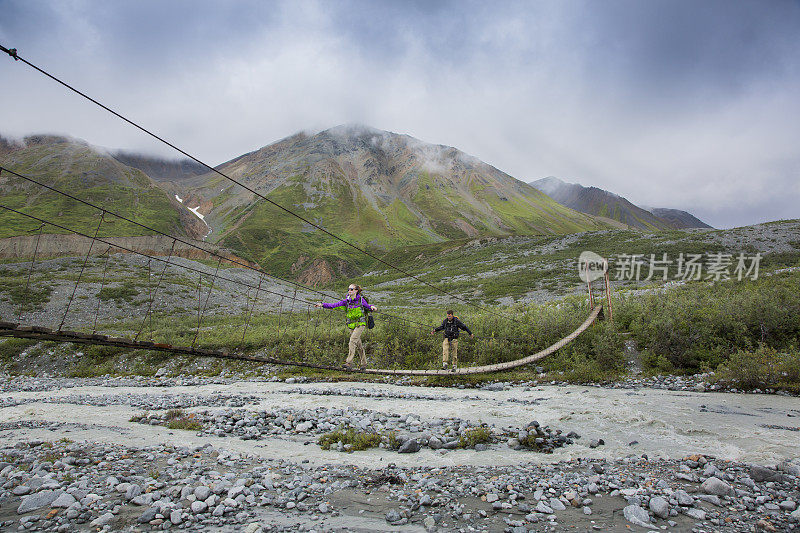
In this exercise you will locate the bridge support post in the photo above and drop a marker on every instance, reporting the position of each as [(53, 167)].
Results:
[(608, 292)]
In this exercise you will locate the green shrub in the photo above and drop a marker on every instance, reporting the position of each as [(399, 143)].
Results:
[(176, 419), (32, 298), (700, 325), (357, 440), (762, 368), (173, 414), (391, 441), (473, 436), (125, 292)]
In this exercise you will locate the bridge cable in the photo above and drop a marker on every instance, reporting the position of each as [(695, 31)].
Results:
[(199, 303), (205, 305), (30, 271), (73, 337), (13, 53), (129, 250), (186, 267), (152, 297), (80, 274), (193, 245), (100, 292), (252, 308)]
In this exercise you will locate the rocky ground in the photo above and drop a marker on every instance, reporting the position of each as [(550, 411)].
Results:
[(220, 454)]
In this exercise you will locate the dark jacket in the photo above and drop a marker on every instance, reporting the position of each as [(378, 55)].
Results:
[(451, 328)]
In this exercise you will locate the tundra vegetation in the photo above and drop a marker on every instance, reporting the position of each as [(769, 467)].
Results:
[(745, 331)]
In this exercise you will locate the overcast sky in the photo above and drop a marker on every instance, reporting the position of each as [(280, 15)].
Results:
[(691, 104)]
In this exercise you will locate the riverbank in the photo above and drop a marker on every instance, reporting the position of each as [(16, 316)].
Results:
[(635, 455)]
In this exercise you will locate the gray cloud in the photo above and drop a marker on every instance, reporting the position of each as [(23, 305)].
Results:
[(680, 104)]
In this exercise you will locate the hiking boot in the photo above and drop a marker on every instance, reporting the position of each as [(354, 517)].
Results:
[(444, 366), (347, 366), (453, 368), (363, 367)]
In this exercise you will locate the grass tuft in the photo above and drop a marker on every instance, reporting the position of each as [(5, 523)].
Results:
[(352, 439)]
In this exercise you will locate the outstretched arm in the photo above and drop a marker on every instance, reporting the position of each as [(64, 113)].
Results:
[(330, 306)]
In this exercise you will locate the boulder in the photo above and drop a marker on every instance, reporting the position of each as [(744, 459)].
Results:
[(637, 516), (716, 486)]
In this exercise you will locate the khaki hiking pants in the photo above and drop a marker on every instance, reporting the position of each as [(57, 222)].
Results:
[(450, 350), (355, 344)]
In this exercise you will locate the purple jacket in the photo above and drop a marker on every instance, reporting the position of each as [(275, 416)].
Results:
[(350, 303)]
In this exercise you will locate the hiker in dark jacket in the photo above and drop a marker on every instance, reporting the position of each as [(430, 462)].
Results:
[(451, 326)]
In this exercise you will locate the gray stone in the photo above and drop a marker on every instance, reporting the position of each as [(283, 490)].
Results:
[(434, 443), (199, 507), (659, 506), (21, 490), (557, 505), (636, 516), (542, 507), (103, 520), (64, 501), (710, 498), (788, 505), (132, 492), (149, 514), (429, 523), (38, 500), (789, 468), (302, 427), (409, 446), (684, 498), (253, 528), (762, 473), (392, 516), (716, 486), (492, 497), (697, 514), (175, 517), (202, 492)]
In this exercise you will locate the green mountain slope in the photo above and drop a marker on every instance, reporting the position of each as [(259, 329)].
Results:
[(87, 173), (377, 189)]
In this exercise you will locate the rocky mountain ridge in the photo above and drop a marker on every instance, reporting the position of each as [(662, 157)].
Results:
[(375, 188), (602, 203)]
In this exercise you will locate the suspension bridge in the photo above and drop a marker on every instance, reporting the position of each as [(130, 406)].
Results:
[(256, 288)]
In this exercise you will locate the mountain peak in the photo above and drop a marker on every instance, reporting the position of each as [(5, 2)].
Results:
[(355, 129), (599, 202)]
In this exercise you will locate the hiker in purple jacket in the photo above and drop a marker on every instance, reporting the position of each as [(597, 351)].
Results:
[(357, 308)]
